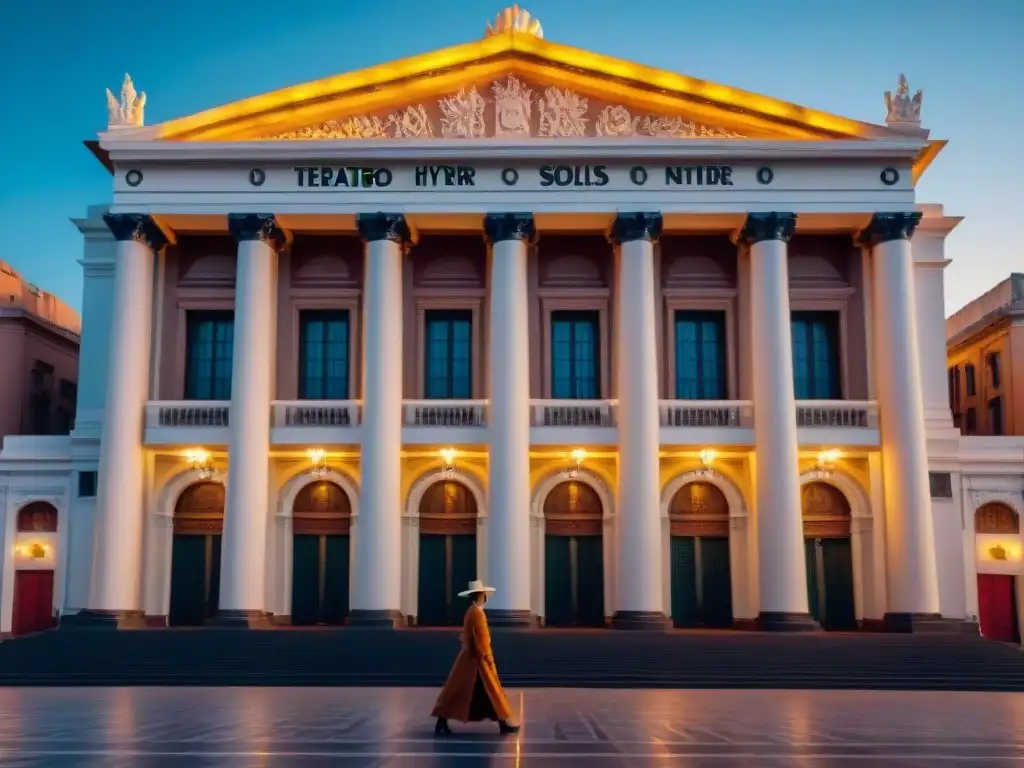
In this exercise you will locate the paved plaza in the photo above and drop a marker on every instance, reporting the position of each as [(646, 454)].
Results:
[(125, 727)]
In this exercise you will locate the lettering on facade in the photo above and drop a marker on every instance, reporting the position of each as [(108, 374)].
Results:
[(547, 176)]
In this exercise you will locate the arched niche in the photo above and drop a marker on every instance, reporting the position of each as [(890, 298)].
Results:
[(448, 507), (322, 507), (996, 518), (37, 517), (826, 511), (199, 509), (573, 508), (699, 509)]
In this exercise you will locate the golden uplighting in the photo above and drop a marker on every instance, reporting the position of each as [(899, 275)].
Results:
[(577, 455), (319, 459), (35, 550), (827, 461), (448, 460), (199, 461)]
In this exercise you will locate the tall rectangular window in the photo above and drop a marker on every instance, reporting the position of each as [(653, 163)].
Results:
[(954, 389), (995, 416), (574, 355), (208, 356), (971, 422), (449, 354), (323, 355), (700, 355), (816, 371), (969, 381), (994, 377)]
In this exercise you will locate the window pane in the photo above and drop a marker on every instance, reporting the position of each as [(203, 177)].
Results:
[(323, 355), (816, 363), (449, 354), (208, 357), (574, 355)]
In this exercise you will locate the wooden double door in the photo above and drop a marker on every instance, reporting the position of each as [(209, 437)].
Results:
[(447, 565), (701, 581), (997, 607), (573, 580), (195, 578), (33, 601), (829, 562), (320, 579)]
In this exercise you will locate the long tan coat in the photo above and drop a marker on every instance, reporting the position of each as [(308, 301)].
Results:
[(473, 691)]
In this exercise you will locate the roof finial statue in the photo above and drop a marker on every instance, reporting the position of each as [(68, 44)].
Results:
[(515, 19), (128, 112), (903, 111)]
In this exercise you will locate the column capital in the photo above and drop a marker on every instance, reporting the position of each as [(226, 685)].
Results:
[(509, 226), (767, 226), (245, 227), (886, 227), (383, 226), (636, 226), (135, 226)]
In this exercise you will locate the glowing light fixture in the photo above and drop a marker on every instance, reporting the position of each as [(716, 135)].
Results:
[(199, 462), (448, 463), (577, 456), (36, 550), (318, 458), (827, 461), (707, 457)]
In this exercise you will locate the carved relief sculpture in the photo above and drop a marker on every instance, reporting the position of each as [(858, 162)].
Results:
[(903, 108), (616, 121), (512, 108), (462, 115), (410, 123), (350, 128), (562, 114), (129, 110)]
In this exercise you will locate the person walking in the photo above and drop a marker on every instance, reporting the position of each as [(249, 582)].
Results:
[(473, 691)]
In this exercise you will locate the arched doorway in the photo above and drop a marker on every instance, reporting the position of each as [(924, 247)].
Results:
[(33, 580), (448, 520), (829, 556), (701, 581), (573, 557), (321, 521), (195, 555), (997, 592)]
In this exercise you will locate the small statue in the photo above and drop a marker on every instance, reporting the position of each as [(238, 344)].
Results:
[(129, 111), (901, 107)]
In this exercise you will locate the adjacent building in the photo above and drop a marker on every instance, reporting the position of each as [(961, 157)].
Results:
[(637, 349)]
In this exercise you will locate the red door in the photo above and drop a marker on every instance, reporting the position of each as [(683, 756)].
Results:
[(33, 601), (996, 607)]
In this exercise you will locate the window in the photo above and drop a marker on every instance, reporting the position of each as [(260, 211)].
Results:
[(208, 358), (971, 422), (449, 354), (42, 375), (68, 390), (87, 484), (969, 382), (993, 369), (995, 416), (700, 356), (574, 356), (323, 355), (954, 389), (816, 355)]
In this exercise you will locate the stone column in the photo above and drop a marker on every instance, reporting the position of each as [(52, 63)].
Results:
[(508, 508), (929, 298), (781, 570), (639, 602), (115, 597), (377, 576), (247, 514), (913, 604)]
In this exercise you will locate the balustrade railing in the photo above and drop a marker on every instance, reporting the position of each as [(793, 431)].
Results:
[(188, 413), (573, 413), (445, 413), (706, 413), (837, 413), (316, 413)]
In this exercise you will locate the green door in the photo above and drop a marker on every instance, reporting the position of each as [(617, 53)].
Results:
[(589, 581), (715, 582), (195, 579), (683, 555), (558, 578), (463, 571), (305, 579), (837, 566), (335, 576), (814, 605), (432, 610)]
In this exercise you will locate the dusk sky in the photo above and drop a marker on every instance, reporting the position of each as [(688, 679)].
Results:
[(58, 56)]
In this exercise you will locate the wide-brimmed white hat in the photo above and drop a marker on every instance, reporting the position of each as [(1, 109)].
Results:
[(474, 587)]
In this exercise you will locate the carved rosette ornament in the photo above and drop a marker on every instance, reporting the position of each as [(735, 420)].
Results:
[(616, 121), (462, 115)]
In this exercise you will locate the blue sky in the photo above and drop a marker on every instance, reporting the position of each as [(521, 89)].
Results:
[(58, 56)]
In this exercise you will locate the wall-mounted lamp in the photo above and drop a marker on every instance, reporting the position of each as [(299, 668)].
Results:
[(707, 458), (199, 462), (319, 461), (573, 472), (448, 463), (35, 550), (827, 461)]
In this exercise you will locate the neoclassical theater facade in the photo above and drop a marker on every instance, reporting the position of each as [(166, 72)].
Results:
[(637, 349)]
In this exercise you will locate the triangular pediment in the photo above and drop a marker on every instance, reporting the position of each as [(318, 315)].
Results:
[(510, 86)]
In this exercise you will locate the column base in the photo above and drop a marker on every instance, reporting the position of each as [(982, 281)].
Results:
[(101, 619), (926, 624), (238, 619), (505, 618), (655, 621), (380, 619), (784, 621)]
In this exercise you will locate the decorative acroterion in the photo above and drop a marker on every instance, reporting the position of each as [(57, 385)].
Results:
[(128, 111), (902, 109), (515, 19)]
